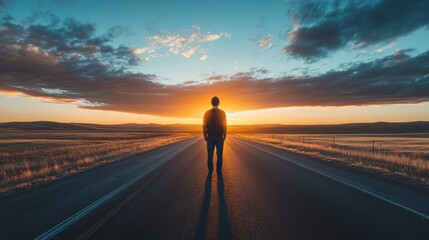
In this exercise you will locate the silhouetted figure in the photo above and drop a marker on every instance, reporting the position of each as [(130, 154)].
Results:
[(214, 130)]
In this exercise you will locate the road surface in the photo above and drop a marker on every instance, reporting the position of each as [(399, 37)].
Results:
[(265, 193)]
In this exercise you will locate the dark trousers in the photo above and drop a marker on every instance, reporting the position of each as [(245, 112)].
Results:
[(213, 142)]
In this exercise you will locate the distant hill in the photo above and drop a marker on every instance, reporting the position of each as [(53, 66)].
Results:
[(47, 125), (351, 128)]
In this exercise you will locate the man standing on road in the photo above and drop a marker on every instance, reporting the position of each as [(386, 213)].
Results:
[(214, 130)]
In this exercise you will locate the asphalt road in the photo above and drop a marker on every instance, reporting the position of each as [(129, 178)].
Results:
[(265, 193)]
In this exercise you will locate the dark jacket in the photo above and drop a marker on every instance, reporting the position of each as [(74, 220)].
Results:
[(215, 122)]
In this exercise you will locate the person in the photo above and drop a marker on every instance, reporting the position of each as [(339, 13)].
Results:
[(214, 131)]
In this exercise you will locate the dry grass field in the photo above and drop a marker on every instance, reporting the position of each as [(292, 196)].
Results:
[(28, 158), (404, 155)]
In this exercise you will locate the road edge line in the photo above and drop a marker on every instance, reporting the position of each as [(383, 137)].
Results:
[(54, 231), (155, 174), (409, 209)]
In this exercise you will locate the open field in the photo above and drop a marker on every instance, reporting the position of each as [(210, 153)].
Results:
[(349, 128), (28, 158), (404, 155)]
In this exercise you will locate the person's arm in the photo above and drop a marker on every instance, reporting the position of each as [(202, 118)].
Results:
[(224, 127), (205, 126)]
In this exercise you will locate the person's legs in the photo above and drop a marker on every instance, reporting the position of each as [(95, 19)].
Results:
[(219, 152), (210, 152)]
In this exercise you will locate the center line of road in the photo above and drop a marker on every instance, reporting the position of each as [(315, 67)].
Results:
[(341, 180)]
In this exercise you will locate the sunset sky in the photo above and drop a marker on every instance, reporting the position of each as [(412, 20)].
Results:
[(288, 62)]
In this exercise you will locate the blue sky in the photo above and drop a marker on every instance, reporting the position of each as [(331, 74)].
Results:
[(247, 23), (143, 19), (193, 42)]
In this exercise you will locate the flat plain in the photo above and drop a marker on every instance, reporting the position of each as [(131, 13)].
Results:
[(398, 155), (29, 158)]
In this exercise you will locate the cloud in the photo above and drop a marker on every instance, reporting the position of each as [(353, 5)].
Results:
[(212, 37), (67, 62), (203, 58), (324, 27), (190, 52), (264, 41), (376, 50), (142, 50), (382, 49), (184, 42)]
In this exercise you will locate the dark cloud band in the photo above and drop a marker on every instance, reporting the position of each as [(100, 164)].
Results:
[(66, 62), (325, 26)]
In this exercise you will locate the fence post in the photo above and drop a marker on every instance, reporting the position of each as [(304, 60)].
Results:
[(373, 145)]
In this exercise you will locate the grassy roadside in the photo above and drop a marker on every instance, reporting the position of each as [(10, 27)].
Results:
[(28, 159), (411, 165)]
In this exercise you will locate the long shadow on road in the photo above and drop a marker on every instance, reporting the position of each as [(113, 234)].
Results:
[(224, 227), (204, 212), (224, 224)]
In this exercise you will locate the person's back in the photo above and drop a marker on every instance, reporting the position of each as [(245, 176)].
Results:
[(214, 131), (215, 122)]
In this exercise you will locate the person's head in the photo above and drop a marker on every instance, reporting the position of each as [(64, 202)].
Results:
[(215, 101)]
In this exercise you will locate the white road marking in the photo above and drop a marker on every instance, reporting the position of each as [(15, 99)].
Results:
[(69, 221), (341, 180), (51, 233)]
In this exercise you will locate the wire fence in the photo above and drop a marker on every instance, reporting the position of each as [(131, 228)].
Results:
[(391, 144)]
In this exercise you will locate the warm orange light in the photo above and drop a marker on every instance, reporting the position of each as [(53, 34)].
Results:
[(22, 108)]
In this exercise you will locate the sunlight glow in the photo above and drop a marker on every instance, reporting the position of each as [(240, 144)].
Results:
[(23, 108)]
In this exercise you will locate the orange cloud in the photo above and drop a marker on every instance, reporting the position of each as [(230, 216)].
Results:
[(264, 41)]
